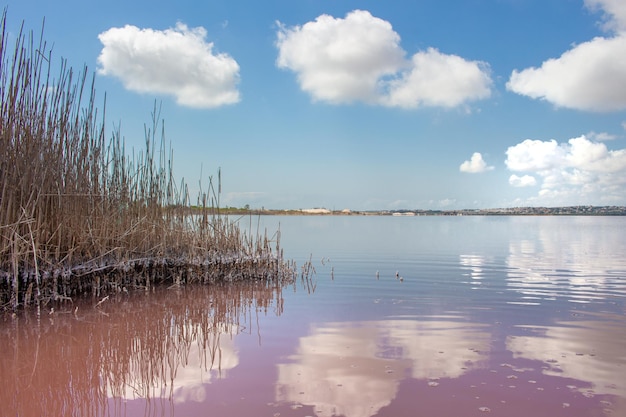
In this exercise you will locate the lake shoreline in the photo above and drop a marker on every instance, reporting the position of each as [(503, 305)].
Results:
[(511, 211)]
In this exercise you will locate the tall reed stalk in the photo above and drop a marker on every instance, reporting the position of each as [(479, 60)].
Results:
[(78, 214)]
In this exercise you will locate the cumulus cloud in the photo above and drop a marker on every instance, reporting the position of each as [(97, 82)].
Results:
[(439, 80), (177, 62), (340, 60), (359, 58), (475, 165), (579, 170), (534, 155), (523, 181), (590, 76)]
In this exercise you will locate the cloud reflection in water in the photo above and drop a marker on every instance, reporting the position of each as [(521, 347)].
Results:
[(580, 263), (354, 369), (592, 352)]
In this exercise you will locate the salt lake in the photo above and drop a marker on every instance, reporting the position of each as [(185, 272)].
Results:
[(399, 316)]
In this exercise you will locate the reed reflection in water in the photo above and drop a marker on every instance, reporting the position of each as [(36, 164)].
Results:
[(159, 347)]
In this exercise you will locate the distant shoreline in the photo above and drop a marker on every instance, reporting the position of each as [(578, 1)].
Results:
[(512, 211)]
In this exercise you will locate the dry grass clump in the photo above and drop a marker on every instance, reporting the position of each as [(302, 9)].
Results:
[(78, 214)]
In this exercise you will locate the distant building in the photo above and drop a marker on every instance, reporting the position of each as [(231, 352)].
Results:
[(316, 211)]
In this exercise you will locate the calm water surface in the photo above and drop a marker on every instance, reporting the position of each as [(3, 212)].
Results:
[(404, 316)]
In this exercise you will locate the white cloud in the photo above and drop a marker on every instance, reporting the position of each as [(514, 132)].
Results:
[(579, 171), (591, 156), (439, 80), (601, 136), (341, 60), (177, 62), (614, 13), (446, 202), (523, 181), (590, 76), (359, 58), (534, 155), (475, 165)]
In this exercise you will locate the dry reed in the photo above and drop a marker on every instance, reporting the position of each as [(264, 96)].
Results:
[(79, 215)]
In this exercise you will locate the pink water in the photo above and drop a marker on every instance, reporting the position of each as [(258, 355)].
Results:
[(486, 316)]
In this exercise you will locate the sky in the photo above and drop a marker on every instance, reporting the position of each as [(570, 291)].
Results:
[(364, 105)]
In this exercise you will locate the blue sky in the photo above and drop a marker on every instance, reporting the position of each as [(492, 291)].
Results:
[(365, 105)]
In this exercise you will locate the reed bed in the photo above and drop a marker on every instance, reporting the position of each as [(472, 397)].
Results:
[(81, 215)]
